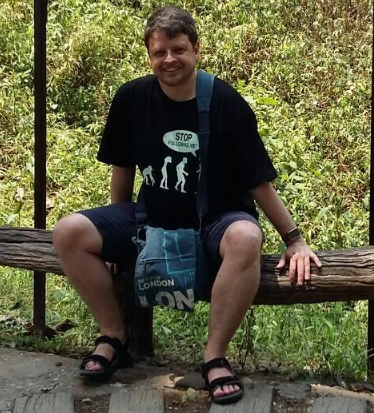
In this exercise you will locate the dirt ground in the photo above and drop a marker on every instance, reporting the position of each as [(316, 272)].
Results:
[(27, 373), (175, 401), (288, 397)]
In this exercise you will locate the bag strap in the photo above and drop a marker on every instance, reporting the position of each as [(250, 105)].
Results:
[(204, 90)]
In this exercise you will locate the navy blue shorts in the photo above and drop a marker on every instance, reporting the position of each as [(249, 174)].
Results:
[(116, 224)]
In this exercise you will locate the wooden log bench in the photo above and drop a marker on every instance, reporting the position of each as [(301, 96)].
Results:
[(346, 275)]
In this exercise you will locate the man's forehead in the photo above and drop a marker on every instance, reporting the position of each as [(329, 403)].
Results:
[(159, 36)]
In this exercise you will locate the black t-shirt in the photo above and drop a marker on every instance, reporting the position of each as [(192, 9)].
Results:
[(147, 129)]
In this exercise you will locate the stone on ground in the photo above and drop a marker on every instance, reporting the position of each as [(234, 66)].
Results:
[(137, 401), (45, 403), (258, 399), (191, 380), (338, 404)]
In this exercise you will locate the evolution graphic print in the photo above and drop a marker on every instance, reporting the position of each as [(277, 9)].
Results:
[(182, 142)]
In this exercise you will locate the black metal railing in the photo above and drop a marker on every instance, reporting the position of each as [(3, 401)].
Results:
[(40, 94)]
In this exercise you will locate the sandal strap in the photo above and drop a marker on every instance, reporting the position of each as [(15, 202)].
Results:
[(103, 361), (221, 362), (112, 341), (225, 381), (120, 358), (119, 348), (217, 362)]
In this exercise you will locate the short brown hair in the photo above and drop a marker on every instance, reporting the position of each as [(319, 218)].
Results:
[(171, 20)]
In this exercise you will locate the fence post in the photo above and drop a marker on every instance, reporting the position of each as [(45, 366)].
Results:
[(40, 128)]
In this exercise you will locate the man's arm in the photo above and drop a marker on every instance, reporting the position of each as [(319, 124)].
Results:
[(298, 253), (122, 184)]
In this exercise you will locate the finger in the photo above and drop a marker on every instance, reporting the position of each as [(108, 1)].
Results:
[(316, 260), (292, 269), (282, 262), (300, 271), (307, 268)]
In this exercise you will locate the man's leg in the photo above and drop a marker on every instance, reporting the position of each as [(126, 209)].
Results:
[(78, 244), (233, 291)]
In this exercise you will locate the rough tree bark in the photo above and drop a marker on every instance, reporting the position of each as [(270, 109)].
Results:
[(345, 275)]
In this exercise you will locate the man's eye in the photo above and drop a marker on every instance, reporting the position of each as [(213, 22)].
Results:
[(158, 54)]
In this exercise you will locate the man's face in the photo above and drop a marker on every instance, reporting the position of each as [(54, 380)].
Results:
[(173, 60)]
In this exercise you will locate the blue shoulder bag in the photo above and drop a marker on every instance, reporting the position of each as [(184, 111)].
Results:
[(171, 269)]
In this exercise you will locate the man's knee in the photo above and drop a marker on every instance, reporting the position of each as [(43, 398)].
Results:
[(76, 232), (242, 240)]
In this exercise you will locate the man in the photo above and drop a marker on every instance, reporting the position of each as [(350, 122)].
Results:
[(143, 114)]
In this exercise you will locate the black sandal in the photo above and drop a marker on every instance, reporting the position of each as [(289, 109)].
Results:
[(222, 381), (120, 359)]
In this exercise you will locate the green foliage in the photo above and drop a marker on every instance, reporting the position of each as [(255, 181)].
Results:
[(303, 66)]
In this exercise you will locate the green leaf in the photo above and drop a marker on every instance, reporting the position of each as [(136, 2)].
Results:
[(266, 101), (10, 218)]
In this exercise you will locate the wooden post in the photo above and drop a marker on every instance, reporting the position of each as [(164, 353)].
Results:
[(138, 321)]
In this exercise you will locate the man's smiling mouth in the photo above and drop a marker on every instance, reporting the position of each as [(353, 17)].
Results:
[(170, 70)]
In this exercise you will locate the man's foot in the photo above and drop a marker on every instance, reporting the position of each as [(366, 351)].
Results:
[(109, 355), (224, 389), (104, 350), (223, 384)]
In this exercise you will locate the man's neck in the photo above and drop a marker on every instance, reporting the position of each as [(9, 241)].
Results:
[(181, 93)]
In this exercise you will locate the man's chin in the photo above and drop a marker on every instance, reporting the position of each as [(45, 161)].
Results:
[(172, 80), (175, 80)]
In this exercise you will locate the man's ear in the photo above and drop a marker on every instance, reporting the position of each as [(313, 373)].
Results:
[(149, 58), (196, 49)]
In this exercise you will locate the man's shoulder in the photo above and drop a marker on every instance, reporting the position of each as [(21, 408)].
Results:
[(225, 94), (222, 86), (132, 86)]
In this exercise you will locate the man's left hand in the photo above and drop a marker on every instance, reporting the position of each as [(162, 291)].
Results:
[(299, 256)]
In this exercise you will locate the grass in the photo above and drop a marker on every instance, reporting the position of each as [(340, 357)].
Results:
[(325, 339)]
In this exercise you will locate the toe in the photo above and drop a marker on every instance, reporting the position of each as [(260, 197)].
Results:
[(89, 365), (219, 392), (92, 366), (223, 390), (230, 389)]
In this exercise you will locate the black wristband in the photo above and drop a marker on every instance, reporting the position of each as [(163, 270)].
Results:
[(291, 236)]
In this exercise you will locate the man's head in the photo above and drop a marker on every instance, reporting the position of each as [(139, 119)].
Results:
[(173, 48), (171, 20)]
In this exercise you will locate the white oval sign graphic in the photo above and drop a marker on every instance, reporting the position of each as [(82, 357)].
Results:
[(182, 141)]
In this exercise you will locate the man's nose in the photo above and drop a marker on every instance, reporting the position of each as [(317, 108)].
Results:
[(169, 57)]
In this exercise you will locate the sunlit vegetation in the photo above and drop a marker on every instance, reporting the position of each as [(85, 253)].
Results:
[(304, 67)]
